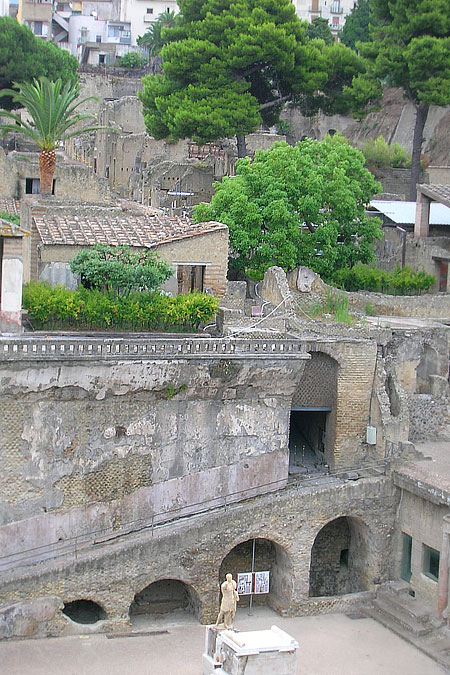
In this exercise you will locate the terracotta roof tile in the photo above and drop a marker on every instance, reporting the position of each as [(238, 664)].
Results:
[(439, 193), (144, 228), (10, 205)]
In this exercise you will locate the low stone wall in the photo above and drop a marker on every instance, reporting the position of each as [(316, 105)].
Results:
[(419, 306)]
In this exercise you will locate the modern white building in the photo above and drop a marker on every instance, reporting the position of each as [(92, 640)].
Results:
[(141, 13)]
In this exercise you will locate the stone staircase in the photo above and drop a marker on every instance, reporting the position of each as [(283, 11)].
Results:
[(412, 620)]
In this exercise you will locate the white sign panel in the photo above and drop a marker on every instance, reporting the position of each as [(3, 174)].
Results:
[(244, 583), (261, 582)]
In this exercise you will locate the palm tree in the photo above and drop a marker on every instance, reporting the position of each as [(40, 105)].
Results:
[(153, 37), (51, 107)]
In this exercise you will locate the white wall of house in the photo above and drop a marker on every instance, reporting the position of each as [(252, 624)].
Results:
[(333, 10), (141, 13)]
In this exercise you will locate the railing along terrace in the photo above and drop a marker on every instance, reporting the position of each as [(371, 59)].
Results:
[(55, 347)]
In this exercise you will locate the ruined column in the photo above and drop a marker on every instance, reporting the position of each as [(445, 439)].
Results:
[(443, 571), (11, 275), (422, 222)]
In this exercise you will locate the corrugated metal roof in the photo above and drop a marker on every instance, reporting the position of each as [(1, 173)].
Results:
[(404, 213)]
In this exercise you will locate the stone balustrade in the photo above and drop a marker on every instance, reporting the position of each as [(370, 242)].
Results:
[(57, 347)]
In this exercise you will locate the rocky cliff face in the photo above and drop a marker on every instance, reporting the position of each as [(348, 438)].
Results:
[(394, 121)]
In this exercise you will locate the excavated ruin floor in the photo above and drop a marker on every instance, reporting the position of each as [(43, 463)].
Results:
[(332, 644)]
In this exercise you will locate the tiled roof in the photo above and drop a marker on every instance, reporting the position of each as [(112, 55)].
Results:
[(145, 228), (10, 205), (439, 193)]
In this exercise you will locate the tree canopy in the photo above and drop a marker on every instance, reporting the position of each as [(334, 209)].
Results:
[(297, 205), (356, 26), (230, 65), (410, 48), (320, 28), (119, 270), (23, 56)]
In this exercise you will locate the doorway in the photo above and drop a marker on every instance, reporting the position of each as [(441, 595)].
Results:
[(406, 557), (307, 438)]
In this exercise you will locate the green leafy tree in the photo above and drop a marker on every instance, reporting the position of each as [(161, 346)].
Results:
[(320, 28), (155, 36), (24, 57), (356, 26), (410, 48), (230, 65), (52, 108), (119, 270), (297, 205)]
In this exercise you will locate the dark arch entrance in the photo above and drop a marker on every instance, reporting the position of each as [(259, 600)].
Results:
[(313, 415), (270, 557), (339, 562), (165, 597), (84, 611)]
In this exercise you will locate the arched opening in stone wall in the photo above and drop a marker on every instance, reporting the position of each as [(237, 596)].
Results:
[(428, 366), (339, 555), (165, 598), (84, 611), (269, 557), (313, 415)]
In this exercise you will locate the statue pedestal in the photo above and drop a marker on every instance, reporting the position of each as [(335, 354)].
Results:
[(259, 652)]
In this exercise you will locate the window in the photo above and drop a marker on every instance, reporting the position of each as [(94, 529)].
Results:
[(335, 22), (38, 28), (33, 186), (149, 10), (335, 6), (114, 31), (101, 58), (431, 562), (314, 6), (98, 38), (190, 278)]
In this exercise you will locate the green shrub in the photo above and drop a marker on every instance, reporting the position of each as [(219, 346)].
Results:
[(334, 304), (399, 282), (120, 269), (380, 155), (132, 60), (12, 217), (60, 308)]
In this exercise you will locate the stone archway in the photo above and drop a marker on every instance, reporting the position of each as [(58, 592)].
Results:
[(339, 558), (269, 556), (84, 611), (165, 598)]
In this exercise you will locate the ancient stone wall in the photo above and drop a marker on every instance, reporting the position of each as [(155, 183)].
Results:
[(193, 552), (421, 519), (419, 253), (72, 180), (419, 362), (136, 436)]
